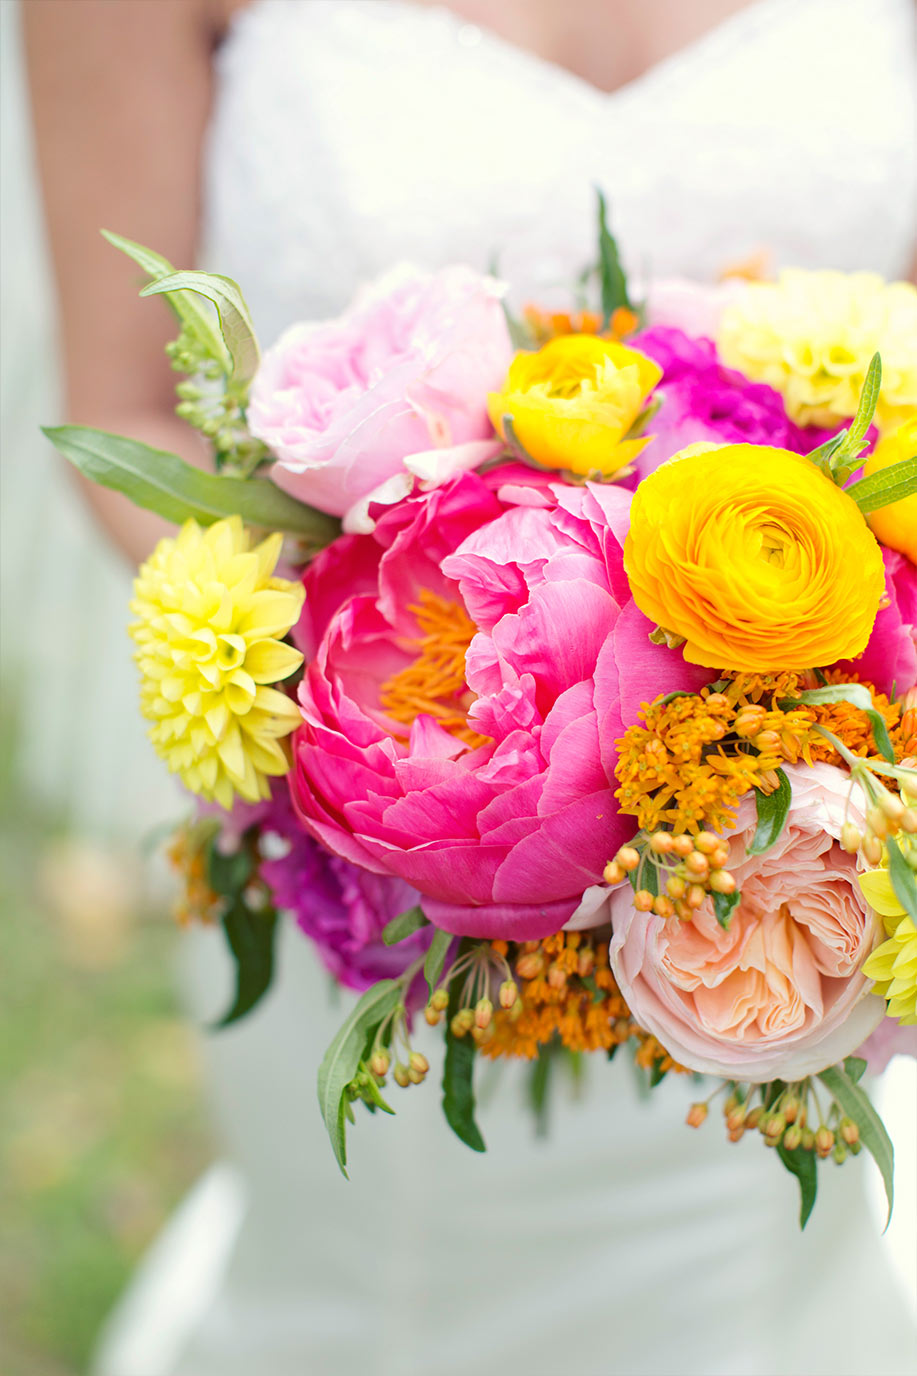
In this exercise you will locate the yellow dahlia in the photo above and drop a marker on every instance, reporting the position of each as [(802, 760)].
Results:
[(572, 403), (893, 965), (811, 335), (209, 617)]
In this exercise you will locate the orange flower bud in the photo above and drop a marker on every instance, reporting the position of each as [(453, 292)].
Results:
[(530, 965), (480, 1035), (909, 820), (432, 1016), (753, 1117), (628, 858), (721, 881), (824, 1141), (483, 1012), (675, 886), (440, 999), (662, 842), (419, 1062), (707, 842), (849, 1131), (851, 838), (402, 1075), (750, 720), (718, 702), (585, 962), (643, 901), (696, 896), (379, 1063), (557, 976), (792, 1138), (877, 822), (892, 806), (872, 850), (663, 906), (508, 993), (613, 873), (682, 845), (697, 864), (696, 1115), (720, 857), (767, 742)]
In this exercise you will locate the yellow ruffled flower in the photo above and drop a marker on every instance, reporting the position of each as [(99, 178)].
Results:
[(572, 402), (893, 965), (756, 558), (811, 335), (896, 525), (209, 614)]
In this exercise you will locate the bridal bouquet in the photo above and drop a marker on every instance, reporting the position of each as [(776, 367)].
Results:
[(556, 676)]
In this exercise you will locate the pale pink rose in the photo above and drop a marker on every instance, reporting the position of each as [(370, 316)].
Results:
[(394, 391), (694, 307), (780, 993)]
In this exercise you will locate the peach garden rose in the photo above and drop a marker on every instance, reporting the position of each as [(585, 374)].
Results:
[(780, 993)]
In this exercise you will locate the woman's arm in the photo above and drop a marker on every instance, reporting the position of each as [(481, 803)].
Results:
[(121, 95)]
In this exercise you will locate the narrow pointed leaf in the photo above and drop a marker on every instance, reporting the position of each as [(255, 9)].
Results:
[(804, 1166), (772, 811), (235, 321), (403, 926), (250, 936), (613, 280), (436, 957), (342, 1060), (885, 487), (903, 879), (164, 483), (458, 1090), (856, 1105), (187, 306)]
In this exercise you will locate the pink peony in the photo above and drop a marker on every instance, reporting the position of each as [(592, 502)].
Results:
[(890, 659), (780, 993), (355, 409), (500, 837)]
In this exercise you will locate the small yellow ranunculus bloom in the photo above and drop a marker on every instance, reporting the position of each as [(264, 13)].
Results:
[(210, 614), (896, 525), (893, 965), (756, 558), (573, 401)]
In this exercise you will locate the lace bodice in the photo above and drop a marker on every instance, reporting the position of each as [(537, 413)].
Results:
[(351, 134)]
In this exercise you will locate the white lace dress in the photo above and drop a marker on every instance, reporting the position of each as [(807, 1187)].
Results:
[(346, 136)]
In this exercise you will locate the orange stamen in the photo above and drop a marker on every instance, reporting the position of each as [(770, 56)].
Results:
[(434, 684)]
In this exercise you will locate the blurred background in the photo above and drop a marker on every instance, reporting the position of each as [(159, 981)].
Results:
[(102, 1129), (103, 1126)]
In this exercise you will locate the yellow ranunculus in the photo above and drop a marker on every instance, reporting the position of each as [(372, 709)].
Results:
[(756, 558), (209, 617), (896, 525), (572, 402), (811, 335), (893, 965)]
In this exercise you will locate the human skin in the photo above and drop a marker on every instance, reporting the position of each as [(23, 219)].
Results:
[(121, 94)]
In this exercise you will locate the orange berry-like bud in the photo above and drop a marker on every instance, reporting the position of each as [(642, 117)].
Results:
[(379, 1063), (675, 886), (808, 1139), (909, 820), (792, 1138), (613, 873), (720, 857), (557, 976), (877, 822), (697, 865), (736, 1118), (851, 838), (662, 842), (682, 911), (718, 702), (432, 1015), (892, 806), (418, 1061), (480, 1035), (849, 1131), (753, 1117), (721, 881), (402, 1075), (736, 1134), (696, 896), (628, 858), (682, 845), (775, 1125), (749, 720), (530, 965), (706, 842), (872, 850), (509, 993), (791, 1109), (440, 999), (663, 906), (643, 901), (585, 962), (767, 742), (824, 1141), (414, 1076), (462, 1022), (696, 1115), (483, 1012)]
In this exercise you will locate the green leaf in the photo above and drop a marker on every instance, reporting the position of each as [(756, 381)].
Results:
[(856, 693), (855, 1067), (186, 305), (235, 321), (866, 407), (164, 483), (837, 457), (611, 274), (889, 485), (855, 1104), (657, 1074), (458, 1090), (723, 904), (804, 1166), (772, 809), (250, 936), (539, 1081), (342, 1060), (902, 876), (880, 735), (436, 957), (403, 926), (228, 874)]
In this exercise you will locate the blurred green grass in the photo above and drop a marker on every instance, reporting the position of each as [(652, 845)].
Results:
[(102, 1127)]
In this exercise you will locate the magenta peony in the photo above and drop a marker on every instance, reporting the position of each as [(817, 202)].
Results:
[(477, 657), (704, 401), (354, 409), (780, 992), (890, 659)]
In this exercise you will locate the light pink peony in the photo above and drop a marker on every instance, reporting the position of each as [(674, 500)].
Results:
[(780, 993), (356, 409), (500, 838)]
